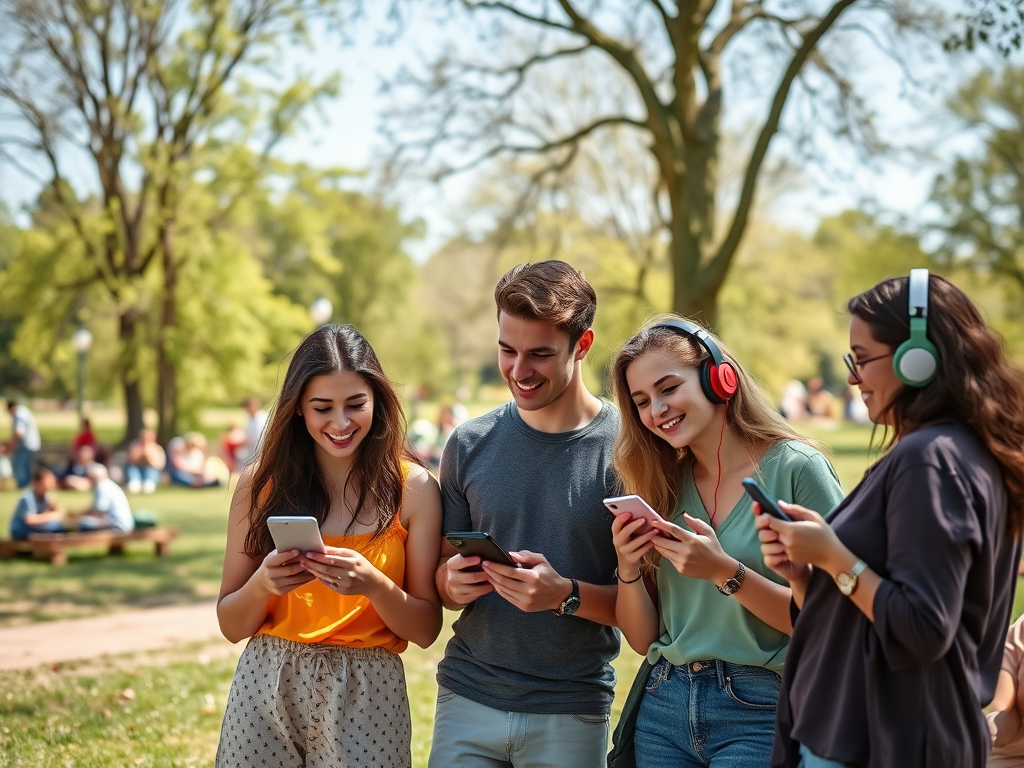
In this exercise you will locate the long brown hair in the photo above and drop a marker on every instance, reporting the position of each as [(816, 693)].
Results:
[(648, 465), (975, 383), (287, 480)]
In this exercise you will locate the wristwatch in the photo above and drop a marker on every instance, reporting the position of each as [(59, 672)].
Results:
[(571, 604), (847, 580), (733, 585)]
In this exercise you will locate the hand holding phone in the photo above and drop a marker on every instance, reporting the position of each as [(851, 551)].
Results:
[(480, 544), (299, 532), (760, 495), (635, 506)]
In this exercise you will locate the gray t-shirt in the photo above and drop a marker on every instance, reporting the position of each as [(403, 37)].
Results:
[(540, 492)]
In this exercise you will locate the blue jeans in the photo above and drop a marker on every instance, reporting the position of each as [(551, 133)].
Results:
[(707, 713), (470, 735), (22, 459), (137, 474), (810, 760)]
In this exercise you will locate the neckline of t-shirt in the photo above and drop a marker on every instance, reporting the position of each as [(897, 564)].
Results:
[(557, 437), (702, 513)]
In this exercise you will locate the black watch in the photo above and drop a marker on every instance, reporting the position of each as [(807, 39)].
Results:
[(571, 604)]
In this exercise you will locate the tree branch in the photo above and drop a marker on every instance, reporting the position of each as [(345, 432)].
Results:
[(720, 263)]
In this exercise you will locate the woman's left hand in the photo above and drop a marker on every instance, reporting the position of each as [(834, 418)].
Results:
[(344, 571), (697, 553)]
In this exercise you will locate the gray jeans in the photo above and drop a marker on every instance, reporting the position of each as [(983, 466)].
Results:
[(470, 735)]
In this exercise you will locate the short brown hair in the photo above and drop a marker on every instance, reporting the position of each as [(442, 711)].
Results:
[(550, 291)]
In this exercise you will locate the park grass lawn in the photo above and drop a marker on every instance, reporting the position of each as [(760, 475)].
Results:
[(165, 708), (93, 583)]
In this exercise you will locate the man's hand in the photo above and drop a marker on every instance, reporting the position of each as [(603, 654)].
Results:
[(534, 587), (458, 585)]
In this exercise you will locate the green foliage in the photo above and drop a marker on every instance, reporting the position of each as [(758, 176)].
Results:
[(981, 196)]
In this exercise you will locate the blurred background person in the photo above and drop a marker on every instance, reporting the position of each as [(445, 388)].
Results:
[(25, 442), (36, 512), (190, 465), (254, 427), (73, 476), (146, 460), (110, 510), (87, 436)]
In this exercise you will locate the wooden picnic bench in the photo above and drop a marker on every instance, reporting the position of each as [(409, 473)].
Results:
[(54, 546)]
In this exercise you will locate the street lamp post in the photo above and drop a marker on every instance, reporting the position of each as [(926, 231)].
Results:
[(82, 340), (320, 311)]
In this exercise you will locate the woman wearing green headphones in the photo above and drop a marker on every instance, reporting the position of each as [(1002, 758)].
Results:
[(902, 598)]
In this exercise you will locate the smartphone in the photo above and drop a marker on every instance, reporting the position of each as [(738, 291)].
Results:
[(481, 544), (296, 532), (632, 505), (760, 495)]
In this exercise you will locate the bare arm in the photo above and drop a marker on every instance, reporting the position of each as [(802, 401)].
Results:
[(247, 584)]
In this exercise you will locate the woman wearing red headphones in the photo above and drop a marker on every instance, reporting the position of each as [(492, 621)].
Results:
[(904, 594), (694, 595)]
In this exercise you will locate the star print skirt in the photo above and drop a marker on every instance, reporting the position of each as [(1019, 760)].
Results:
[(316, 705)]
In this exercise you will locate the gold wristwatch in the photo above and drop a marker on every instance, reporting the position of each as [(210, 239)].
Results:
[(847, 580)]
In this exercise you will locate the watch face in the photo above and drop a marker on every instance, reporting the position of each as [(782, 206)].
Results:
[(845, 582), (570, 606), (730, 586)]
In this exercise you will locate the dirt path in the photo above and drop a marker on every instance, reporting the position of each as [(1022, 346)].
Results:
[(52, 642)]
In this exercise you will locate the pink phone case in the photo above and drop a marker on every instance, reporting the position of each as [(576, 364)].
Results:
[(632, 505)]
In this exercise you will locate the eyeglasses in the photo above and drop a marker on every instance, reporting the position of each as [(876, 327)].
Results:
[(855, 365)]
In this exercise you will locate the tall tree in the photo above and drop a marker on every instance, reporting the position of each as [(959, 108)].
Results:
[(982, 194), (665, 69), (125, 92)]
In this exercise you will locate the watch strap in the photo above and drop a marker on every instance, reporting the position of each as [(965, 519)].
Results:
[(571, 603), (732, 586)]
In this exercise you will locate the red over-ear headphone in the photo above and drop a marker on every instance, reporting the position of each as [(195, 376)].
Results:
[(717, 376)]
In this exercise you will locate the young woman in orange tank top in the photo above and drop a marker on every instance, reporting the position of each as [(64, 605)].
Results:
[(320, 681)]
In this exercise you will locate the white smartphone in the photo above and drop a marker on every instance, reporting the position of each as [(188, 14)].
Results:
[(632, 505), (298, 532)]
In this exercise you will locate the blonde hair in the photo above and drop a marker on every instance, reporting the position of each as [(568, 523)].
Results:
[(648, 465)]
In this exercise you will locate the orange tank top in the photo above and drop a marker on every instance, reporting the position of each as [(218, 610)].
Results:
[(313, 613)]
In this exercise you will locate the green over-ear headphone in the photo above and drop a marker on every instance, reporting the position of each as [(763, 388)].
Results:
[(916, 360)]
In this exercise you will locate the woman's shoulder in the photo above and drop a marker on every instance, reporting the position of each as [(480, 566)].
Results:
[(417, 476), (789, 453)]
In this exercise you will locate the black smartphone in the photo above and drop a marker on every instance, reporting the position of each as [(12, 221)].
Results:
[(481, 544), (760, 495)]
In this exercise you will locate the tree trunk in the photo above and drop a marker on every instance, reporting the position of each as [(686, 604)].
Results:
[(692, 296), (127, 323), (167, 374)]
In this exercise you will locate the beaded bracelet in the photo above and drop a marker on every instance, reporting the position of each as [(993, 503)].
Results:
[(631, 581)]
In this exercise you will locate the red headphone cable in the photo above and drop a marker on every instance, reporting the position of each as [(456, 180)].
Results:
[(718, 482)]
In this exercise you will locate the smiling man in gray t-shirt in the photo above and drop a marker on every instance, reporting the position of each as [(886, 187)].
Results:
[(527, 679)]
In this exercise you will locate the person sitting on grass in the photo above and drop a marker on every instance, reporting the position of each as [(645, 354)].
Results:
[(36, 511), (110, 509), (146, 460), (190, 465), (73, 477)]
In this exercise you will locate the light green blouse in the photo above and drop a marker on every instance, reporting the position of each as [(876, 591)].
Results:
[(698, 621)]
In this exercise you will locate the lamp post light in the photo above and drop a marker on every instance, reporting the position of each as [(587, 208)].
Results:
[(320, 311), (82, 340)]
